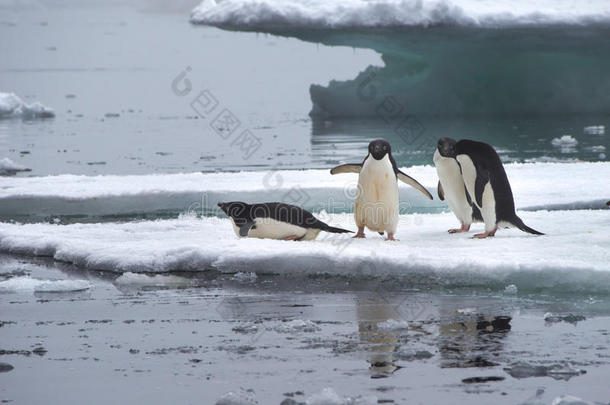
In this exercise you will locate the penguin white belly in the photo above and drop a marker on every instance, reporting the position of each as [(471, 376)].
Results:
[(488, 208), (452, 182), (377, 201), (267, 228), (469, 175), (488, 212)]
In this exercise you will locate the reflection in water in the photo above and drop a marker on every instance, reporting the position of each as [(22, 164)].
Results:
[(472, 340), (380, 345)]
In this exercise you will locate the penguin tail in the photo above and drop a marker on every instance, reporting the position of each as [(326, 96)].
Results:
[(518, 222), (332, 229)]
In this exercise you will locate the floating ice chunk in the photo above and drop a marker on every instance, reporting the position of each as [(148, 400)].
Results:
[(393, 325), (569, 400), (244, 277), (158, 280), (297, 325), (556, 371), (8, 167), (569, 318), (28, 284), (595, 130), (467, 311), (242, 397), (328, 396), (510, 289), (564, 141), (597, 148), (12, 106)]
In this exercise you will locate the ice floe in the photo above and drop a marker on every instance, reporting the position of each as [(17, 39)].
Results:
[(12, 106), (8, 167), (28, 284), (534, 185), (573, 255)]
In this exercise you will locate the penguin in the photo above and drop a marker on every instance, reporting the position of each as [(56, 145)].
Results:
[(451, 186), (376, 204), (487, 184), (274, 220)]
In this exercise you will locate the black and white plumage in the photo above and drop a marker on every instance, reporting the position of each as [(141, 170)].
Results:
[(376, 205), (274, 220), (486, 184), (451, 186)]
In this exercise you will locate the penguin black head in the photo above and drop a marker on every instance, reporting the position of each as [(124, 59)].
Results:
[(233, 208), (446, 147), (379, 148)]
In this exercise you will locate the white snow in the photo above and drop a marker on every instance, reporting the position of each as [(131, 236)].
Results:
[(564, 141), (366, 13), (28, 284), (574, 255), (539, 185), (7, 166), (12, 106)]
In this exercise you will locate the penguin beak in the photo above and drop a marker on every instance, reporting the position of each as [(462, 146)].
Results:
[(219, 204)]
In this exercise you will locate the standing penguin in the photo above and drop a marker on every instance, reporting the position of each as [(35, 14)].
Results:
[(275, 221), (377, 200), (451, 186), (486, 181)]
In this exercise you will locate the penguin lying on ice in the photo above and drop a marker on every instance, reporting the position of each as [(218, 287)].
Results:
[(486, 185), (275, 220)]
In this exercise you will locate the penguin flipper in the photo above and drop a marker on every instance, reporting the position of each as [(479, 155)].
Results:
[(479, 185), (440, 191), (413, 183), (245, 228), (347, 168)]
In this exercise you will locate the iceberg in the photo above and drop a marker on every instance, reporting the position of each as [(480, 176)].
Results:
[(444, 57)]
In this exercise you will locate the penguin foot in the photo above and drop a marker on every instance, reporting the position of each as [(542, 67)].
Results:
[(464, 228), (360, 233), (391, 237), (292, 237), (485, 234)]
